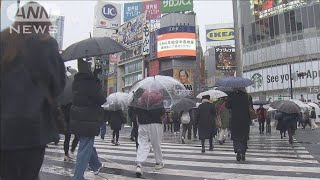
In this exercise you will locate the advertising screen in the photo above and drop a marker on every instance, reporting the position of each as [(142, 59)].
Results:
[(225, 59), (266, 8), (176, 44), (185, 76)]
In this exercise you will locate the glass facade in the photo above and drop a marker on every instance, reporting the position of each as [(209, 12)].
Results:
[(132, 72), (275, 37)]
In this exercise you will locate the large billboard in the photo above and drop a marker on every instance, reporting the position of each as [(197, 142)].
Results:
[(107, 15), (170, 6), (225, 59), (132, 10), (176, 41), (266, 8), (152, 9), (131, 32), (220, 34), (185, 76)]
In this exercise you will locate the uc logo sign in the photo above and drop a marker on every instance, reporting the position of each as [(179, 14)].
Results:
[(220, 34), (109, 11)]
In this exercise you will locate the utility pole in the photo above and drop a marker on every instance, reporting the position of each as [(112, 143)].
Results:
[(237, 35), (291, 78)]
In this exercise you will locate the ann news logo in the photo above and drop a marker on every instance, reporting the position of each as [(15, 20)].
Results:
[(33, 18)]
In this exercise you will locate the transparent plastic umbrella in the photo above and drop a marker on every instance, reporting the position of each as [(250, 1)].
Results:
[(214, 94), (116, 101), (302, 105), (157, 91)]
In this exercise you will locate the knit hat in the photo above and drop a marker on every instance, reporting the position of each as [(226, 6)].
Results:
[(84, 66)]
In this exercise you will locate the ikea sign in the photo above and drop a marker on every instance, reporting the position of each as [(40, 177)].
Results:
[(222, 34)]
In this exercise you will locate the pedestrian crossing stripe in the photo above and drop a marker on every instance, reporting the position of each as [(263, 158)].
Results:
[(268, 157)]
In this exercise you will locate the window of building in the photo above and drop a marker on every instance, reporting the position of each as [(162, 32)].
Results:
[(310, 16), (254, 36), (317, 15), (287, 22), (271, 27), (293, 22), (298, 20), (276, 25), (266, 27), (281, 24), (304, 15)]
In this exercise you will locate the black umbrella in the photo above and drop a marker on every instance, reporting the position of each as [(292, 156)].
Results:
[(183, 104), (288, 107), (261, 102), (274, 104), (234, 82), (96, 46)]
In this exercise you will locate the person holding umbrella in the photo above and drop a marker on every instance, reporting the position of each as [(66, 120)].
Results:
[(262, 113), (116, 119), (206, 121), (239, 103)]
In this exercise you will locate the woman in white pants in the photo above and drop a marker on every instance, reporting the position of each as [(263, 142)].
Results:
[(150, 133)]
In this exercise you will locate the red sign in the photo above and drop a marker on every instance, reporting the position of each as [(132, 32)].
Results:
[(152, 9), (114, 58)]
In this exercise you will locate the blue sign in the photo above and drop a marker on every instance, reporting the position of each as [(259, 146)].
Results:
[(132, 10), (173, 29), (109, 11)]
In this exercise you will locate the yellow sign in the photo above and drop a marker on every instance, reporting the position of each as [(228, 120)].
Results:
[(220, 34)]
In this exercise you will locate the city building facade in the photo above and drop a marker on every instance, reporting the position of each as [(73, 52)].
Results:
[(281, 48)]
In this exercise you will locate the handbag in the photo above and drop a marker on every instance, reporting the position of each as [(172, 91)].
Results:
[(253, 114)]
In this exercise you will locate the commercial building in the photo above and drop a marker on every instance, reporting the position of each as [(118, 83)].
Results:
[(220, 53), (281, 48), (58, 23)]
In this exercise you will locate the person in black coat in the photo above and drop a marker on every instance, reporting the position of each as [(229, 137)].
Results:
[(206, 121), (32, 72), (239, 103), (85, 117), (116, 119)]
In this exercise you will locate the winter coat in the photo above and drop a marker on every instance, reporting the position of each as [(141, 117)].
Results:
[(261, 113), (86, 113), (238, 102), (206, 120), (224, 114), (116, 119), (150, 116), (313, 114), (25, 111)]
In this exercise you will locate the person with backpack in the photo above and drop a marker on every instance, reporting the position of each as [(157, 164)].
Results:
[(186, 125), (32, 78), (206, 121), (262, 113)]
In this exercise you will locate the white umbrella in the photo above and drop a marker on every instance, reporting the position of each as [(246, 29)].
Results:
[(302, 105), (214, 94), (317, 109), (116, 101)]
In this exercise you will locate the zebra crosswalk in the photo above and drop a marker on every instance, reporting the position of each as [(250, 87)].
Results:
[(268, 157)]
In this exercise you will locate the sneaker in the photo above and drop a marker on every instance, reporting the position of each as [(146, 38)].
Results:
[(138, 172), (66, 159), (132, 138), (117, 144), (97, 171), (159, 166)]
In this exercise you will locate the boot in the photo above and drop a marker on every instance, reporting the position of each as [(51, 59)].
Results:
[(243, 156), (203, 149), (239, 155)]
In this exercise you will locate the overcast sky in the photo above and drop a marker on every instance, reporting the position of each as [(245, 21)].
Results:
[(79, 16)]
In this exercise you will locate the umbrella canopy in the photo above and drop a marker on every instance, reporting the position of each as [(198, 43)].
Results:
[(302, 105), (225, 89), (261, 102), (96, 46), (214, 94), (288, 107), (183, 104), (157, 91), (67, 95), (234, 82), (274, 104), (116, 101)]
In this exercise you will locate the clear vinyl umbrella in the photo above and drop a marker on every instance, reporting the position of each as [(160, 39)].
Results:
[(302, 105), (214, 94), (116, 101), (156, 92)]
